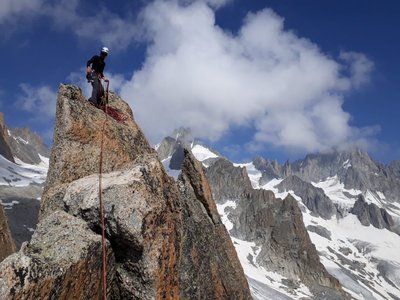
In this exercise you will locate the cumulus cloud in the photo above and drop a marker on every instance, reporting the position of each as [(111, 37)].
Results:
[(197, 75), (358, 66), (41, 101), (10, 9), (212, 3), (99, 25)]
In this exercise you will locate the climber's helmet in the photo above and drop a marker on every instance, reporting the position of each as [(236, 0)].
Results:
[(104, 51)]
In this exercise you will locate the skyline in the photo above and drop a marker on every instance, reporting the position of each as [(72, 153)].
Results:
[(273, 78)]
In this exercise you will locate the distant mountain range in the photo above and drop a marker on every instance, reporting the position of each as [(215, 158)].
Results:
[(23, 168), (323, 227), (350, 211)]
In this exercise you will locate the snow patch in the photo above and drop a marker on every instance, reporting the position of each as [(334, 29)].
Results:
[(247, 253), (270, 185), (20, 139), (381, 195), (9, 205), (253, 173), (372, 198), (22, 174), (347, 164), (224, 215), (336, 191), (202, 153), (365, 245)]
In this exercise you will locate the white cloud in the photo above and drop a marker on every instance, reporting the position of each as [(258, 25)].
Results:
[(359, 67), (10, 9), (212, 3), (99, 25), (41, 101), (197, 75)]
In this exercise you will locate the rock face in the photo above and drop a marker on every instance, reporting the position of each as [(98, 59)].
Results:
[(371, 214), (228, 182), (276, 226), (271, 169), (27, 145), (313, 198), (5, 149), (7, 245), (394, 167), (354, 168), (202, 233), (61, 262), (164, 242)]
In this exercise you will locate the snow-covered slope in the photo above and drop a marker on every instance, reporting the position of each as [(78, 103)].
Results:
[(263, 284), (20, 174), (21, 185), (202, 153), (366, 260)]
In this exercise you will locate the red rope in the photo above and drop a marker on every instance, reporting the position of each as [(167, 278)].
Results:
[(114, 113), (103, 244)]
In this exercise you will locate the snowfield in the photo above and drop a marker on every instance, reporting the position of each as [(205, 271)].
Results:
[(20, 174), (365, 259), (261, 281), (202, 153)]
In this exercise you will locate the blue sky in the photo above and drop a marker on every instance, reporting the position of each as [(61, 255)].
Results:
[(275, 78)]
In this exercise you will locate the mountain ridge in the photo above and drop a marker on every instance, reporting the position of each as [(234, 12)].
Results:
[(338, 229)]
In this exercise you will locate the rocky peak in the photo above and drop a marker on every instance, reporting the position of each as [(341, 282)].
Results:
[(77, 139), (181, 137), (353, 167), (206, 231), (371, 214), (5, 148), (313, 198), (287, 169), (228, 182), (277, 229), (27, 145), (164, 240), (394, 168), (269, 169)]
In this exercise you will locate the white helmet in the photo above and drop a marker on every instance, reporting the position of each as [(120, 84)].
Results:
[(105, 50)]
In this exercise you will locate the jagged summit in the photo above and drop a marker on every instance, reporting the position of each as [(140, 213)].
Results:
[(161, 241), (28, 146), (170, 150), (22, 144)]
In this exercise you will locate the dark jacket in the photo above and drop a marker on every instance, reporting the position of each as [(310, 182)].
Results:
[(97, 63)]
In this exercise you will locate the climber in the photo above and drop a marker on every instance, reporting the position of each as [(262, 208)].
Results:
[(94, 74)]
